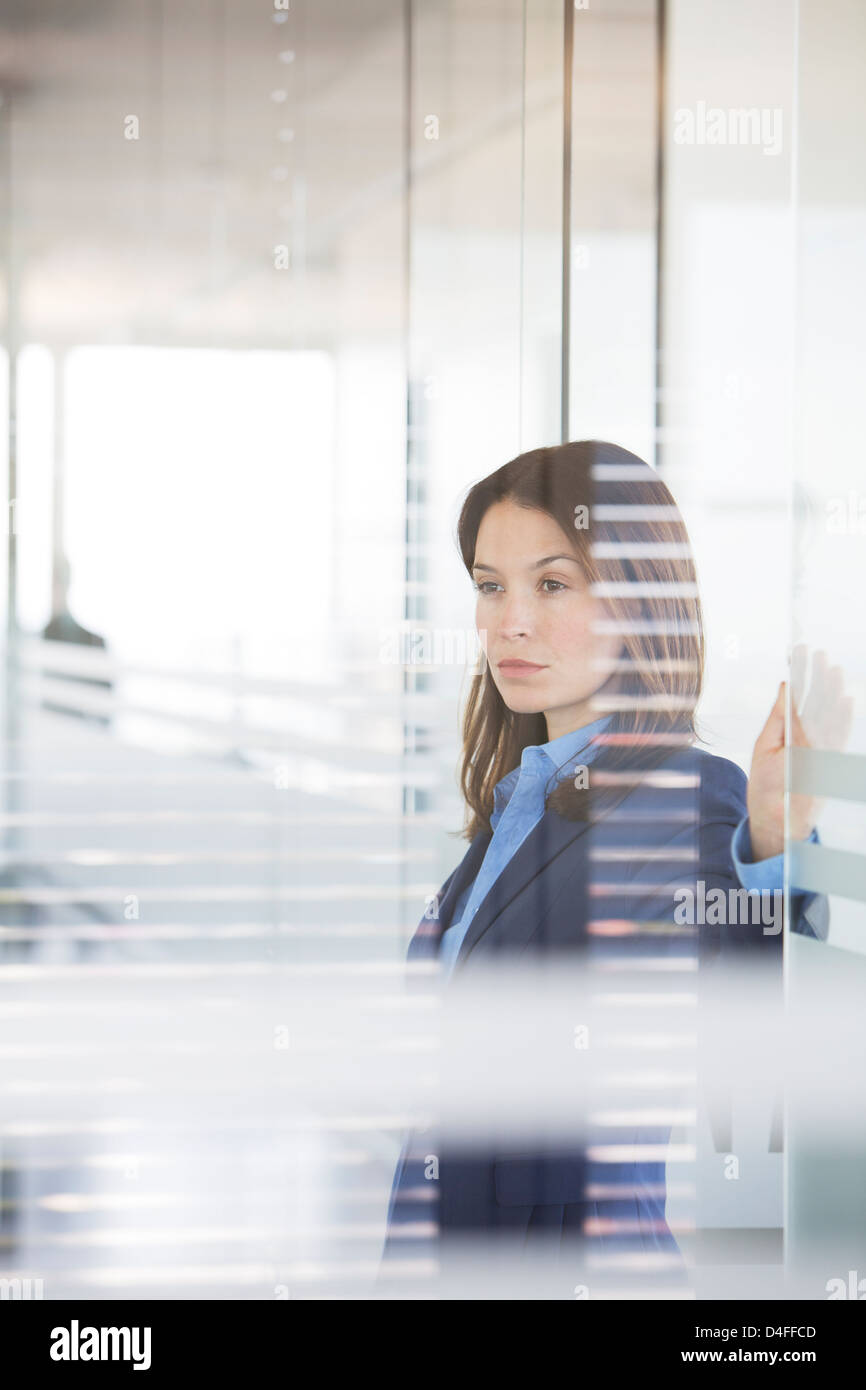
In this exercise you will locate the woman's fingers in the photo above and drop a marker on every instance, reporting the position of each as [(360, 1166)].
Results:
[(799, 665), (843, 726), (827, 712), (772, 735), (799, 737)]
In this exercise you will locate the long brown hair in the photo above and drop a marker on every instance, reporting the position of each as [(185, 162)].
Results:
[(633, 547)]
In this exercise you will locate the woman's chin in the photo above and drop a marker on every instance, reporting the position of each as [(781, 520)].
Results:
[(524, 704)]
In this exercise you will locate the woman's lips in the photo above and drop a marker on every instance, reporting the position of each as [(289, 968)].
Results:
[(519, 668)]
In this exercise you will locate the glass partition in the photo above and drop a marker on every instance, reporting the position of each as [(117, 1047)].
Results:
[(279, 284), (724, 448), (204, 776), (826, 1205)]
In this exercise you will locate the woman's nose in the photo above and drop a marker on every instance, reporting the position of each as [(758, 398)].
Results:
[(515, 619)]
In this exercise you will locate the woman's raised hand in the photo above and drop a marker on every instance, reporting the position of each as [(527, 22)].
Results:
[(820, 718)]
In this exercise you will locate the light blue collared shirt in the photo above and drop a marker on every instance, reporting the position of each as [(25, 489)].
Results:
[(766, 875), (518, 806)]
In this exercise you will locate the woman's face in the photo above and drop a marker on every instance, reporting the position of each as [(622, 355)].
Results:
[(537, 619)]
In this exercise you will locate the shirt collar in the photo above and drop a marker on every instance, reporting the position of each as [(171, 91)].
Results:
[(556, 755), (560, 750)]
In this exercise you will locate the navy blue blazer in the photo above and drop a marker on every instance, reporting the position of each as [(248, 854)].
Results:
[(565, 880)]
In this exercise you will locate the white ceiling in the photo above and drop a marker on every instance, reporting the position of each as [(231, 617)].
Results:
[(243, 147)]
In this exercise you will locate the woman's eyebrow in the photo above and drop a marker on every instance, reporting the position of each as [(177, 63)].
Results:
[(537, 565), (549, 559)]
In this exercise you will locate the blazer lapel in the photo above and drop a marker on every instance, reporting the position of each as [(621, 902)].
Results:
[(545, 842), (437, 918)]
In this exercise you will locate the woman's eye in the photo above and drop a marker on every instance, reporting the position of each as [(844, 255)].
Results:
[(490, 586)]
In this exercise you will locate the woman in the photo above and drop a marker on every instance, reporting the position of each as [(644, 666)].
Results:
[(588, 812)]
